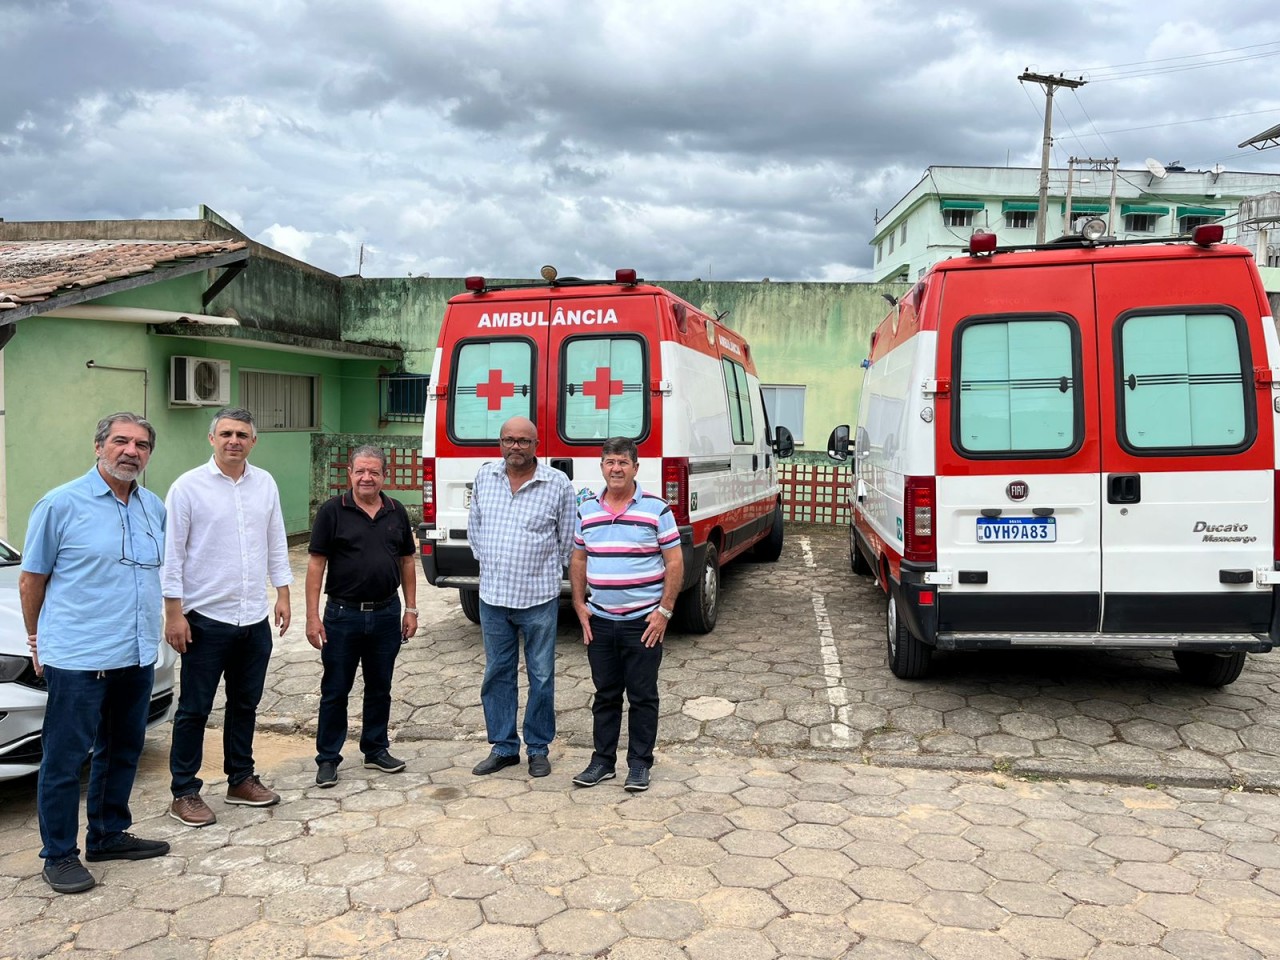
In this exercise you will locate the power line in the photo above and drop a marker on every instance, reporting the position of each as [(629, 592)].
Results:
[(1179, 68), (1185, 56), (1176, 123)]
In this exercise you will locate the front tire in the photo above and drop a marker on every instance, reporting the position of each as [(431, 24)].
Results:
[(699, 607), (1208, 669), (470, 600), (857, 562), (909, 658)]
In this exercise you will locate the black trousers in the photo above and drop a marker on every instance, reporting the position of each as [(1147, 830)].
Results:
[(620, 662)]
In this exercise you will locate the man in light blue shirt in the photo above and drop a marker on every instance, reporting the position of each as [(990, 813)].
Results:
[(90, 592), (520, 529)]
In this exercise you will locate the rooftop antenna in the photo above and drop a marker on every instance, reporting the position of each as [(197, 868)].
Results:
[(1156, 169)]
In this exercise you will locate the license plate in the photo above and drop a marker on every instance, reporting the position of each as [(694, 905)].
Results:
[(466, 498), (1017, 530)]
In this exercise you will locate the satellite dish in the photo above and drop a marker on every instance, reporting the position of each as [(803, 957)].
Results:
[(1156, 168)]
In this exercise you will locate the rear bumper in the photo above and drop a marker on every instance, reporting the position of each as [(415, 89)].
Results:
[(1209, 623)]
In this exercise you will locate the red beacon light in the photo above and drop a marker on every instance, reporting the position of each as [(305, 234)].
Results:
[(475, 284), (1206, 234), (626, 277), (981, 242)]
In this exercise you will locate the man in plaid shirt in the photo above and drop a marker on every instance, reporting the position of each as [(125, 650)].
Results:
[(521, 531)]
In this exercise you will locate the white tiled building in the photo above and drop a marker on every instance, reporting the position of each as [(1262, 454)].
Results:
[(937, 216)]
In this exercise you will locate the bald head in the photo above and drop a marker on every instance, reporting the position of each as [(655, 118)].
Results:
[(519, 426)]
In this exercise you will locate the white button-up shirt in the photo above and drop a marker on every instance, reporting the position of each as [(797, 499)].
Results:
[(225, 539)]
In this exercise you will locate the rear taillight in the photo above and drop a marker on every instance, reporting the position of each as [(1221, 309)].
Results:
[(919, 502), (429, 491), (675, 486)]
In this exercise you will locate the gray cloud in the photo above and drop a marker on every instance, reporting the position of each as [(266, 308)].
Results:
[(726, 139)]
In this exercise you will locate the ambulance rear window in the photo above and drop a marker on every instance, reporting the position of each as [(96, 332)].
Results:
[(1182, 382), (739, 393), (603, 384), (1018, 392), (492, 382)]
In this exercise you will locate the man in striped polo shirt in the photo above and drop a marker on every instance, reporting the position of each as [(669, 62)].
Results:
[(626, 548)]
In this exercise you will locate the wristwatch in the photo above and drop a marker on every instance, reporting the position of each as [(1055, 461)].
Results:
[(665, 612)]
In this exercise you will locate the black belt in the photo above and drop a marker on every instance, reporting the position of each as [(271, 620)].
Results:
[(366, 607)]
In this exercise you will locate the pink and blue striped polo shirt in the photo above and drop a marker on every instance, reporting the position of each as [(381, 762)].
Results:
[(624, 553)]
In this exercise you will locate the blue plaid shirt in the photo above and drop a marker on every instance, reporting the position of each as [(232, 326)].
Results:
[(522, 540)]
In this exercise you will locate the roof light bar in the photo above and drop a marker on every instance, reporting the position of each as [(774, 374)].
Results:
[(475, 284), (627, 277)]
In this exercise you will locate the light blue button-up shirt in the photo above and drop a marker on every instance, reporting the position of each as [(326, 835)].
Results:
[(102, 605)]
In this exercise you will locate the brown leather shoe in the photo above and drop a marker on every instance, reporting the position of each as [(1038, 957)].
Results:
[(251, 793), (192, 810)]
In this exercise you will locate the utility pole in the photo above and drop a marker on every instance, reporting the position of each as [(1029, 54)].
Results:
[(1050, 84)]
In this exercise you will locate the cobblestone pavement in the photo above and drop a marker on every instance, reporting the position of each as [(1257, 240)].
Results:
[(796, 668), (805, 804), (725, 858)]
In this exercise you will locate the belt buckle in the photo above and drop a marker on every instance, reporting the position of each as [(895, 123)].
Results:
[(367, 607)]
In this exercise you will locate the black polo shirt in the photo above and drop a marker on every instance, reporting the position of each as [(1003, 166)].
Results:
[(363, 553)]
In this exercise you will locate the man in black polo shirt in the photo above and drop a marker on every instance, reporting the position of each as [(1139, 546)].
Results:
[(365, 540)]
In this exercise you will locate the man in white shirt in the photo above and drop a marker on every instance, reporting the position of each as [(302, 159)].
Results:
[(225, 539)]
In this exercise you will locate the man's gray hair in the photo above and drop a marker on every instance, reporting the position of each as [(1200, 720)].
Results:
[(110, 420), (617, 445), (372, 452), (234, 413)]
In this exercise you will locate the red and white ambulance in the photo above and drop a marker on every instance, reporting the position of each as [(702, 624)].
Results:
[(1074, 446), (585, 361)]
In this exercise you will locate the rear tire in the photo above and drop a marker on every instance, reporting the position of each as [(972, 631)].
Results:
[(769, 549), (470, 600), (1208, 669), (909, 658), (699, 607), (857, 562)]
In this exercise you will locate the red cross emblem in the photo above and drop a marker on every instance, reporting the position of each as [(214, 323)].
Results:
[(602, 388), (495, 389)]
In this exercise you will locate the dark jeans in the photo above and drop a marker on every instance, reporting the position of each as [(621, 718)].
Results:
[(218, 649), (102, 710), (371, 641), (619, 661), (499, 691)]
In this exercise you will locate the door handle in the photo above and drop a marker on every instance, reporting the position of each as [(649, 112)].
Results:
[(1124, 488), (564, 465)]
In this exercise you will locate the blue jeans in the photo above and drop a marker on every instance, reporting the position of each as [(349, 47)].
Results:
[(368, 640), (501, 627), (620, 661), (217, 649), (100, 710)]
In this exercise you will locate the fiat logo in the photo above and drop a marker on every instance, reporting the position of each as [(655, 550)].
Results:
[(1017, 490)]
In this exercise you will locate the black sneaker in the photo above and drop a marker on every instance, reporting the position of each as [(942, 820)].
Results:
[(67, 875), (637, 778), (384, 761), (593, 775), (327, 774), (125, 846)]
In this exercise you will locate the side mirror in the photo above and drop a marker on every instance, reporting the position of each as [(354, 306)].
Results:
[(838, 443), (784, 444)]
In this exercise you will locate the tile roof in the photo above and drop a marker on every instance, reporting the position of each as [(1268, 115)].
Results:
[(36, 270)]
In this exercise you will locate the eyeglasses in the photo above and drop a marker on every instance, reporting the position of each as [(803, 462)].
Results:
[(521, 442), (129, 561)]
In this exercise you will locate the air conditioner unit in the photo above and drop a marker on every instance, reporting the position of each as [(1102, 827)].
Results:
[(199, 382)]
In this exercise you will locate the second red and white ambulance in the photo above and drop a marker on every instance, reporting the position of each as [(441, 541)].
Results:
[(1074, 446), (589, 360)]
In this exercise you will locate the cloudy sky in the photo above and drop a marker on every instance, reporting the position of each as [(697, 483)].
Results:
[(717, 139)]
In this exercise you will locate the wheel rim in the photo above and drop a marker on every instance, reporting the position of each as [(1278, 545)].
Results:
[(710, 587), (891, 625)]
